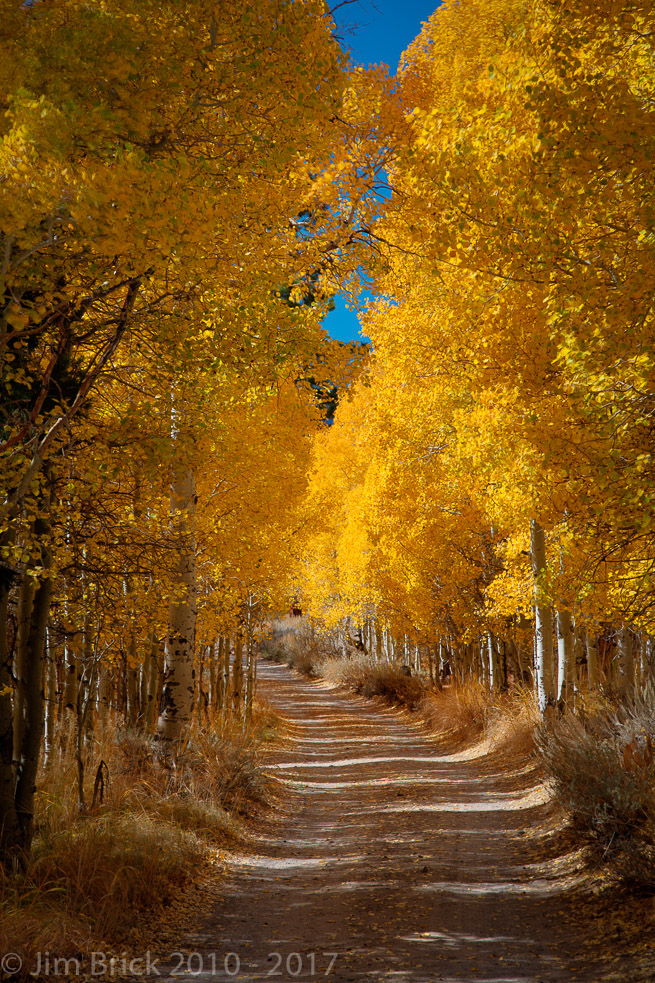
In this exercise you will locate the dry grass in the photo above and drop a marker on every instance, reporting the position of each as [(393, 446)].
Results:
[(367, 677), (512, 723), (603, 770), (458, 713), (464, 713), (98, 876)]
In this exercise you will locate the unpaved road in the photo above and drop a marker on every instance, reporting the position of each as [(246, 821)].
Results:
[(390, 861)]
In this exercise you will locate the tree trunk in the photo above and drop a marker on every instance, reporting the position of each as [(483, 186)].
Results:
[(213, 695), (251, 678), (71, 674), (543, 622), (227, 703), (89, 675), (177, 695), (378, 642), (492, 656), (565, 659), (51, 702), (626, 662), (237, 675), (144, 678), (34, 696), (22, 660), (592, 659), (152, 686), (132, 686), (9, 833), (201, 697), (219, 700), (104, 694)]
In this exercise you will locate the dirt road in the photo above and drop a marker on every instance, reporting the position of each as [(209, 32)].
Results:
[(390, 861)]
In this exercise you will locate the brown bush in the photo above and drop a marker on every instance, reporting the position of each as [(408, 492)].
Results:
[(367, 677), (98, 875), (603, 771)]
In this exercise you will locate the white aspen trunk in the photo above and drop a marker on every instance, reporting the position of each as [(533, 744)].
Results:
[(574, 677), (251, 677), (565, 658), (237, 675), (252, 661), (378, 642), (248, 681), (543, 621), (220, 692), (71, 673), (626, 661), (212, 678), (89, 672), (177, 694), (50, 700), (493, 661), (226, 675), (640, 660), (649, 657), (104, 695)]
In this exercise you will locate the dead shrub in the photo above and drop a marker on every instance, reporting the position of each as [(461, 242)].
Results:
[(109, 867), (99, 875), (223, 770), (92, 880), (603, 771), (459, 712), (273, 651), (511, 721), (369, 678), (463, 713), (304, 661)]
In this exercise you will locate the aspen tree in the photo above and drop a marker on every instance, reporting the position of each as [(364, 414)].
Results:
[(179, 674), (565, 657)]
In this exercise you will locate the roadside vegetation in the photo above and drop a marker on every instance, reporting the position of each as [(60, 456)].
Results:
[(97, 877), (602, 768)]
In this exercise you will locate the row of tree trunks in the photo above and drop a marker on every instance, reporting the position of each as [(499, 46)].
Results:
[(567, 658)]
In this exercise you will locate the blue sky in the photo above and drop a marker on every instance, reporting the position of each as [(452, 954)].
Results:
[(375, 31)]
